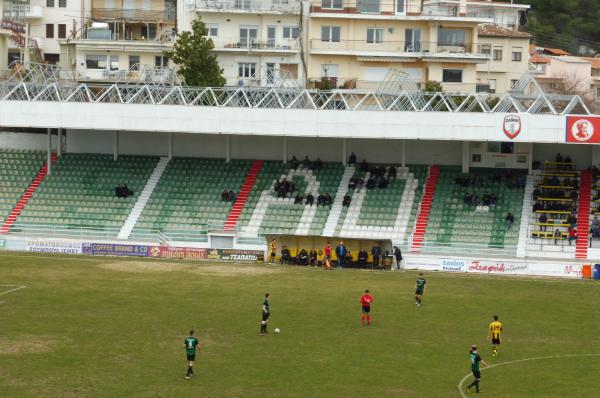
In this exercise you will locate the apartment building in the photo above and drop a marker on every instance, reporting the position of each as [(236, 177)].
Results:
[(258, 42), (120, 39), (356, 43)]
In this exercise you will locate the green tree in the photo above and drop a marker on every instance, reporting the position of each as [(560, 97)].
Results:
[(197, 64), (432, 86)]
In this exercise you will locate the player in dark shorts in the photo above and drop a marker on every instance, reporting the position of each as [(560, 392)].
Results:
[(266, 312), (190, 344), (365, 301), (420, 289), (475, 360)]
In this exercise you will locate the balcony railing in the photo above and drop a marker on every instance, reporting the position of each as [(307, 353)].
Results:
[(119, 14), (388, 7), (251, 44), (401, 48), (267, 6)]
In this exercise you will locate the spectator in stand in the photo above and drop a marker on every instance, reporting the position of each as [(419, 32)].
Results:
[(310, 199), (398, 256), (510, 219), (285, 255), (328, 199), (312, 258), (364, 166), (363, 256), (572, 234), (347, 200), (318, 165), (231, 196), (359, 184), (559, 158), (554, 181), (543, 220), (370, 183), (557, 236), (302, 257), (572, 220), (568, 160), (306, 163), (341, 252), (376, 253), (294, 163), (392, 172), (352, 158), (224, 196), (383, 183), (537, 193), (298, 199)]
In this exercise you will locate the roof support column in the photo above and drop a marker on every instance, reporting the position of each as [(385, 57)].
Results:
[(49, 150), (403, 153), (465, 157), (344, 151), (116, 146), (228, 148), (595, 155), (59, 142), (285, 150), (170, 154), (530, 159)]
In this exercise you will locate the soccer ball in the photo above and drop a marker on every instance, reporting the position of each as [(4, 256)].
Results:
[(277, 330)]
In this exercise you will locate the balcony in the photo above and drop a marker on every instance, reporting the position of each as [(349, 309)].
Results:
[(401, 51), (246, 6), (247, 45), (134, 15), (386, 9)]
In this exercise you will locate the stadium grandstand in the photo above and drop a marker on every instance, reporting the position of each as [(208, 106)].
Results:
[(436, 174)]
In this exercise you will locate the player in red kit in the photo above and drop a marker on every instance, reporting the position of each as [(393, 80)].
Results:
[(366, 300)]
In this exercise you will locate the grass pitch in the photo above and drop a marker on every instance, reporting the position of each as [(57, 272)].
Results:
[(111, 327)]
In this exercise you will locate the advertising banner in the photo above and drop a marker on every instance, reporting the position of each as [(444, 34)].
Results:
[(48, 246), (235, 255), (493, 267), (583, 129), (109, 249), (188, 253)]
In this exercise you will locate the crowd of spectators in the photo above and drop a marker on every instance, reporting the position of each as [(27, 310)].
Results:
[(227, 196), (122, 191), (379, 176), (564, 163), (306, 163), (284, 188)]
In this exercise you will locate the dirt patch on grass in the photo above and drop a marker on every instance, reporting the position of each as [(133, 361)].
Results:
[(26, 345), (218, 269)]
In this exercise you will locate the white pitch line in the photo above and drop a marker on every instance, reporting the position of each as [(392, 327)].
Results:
[(12, 290), (460, 384)]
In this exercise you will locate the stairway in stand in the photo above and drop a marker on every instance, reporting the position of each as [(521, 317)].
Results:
[(583, 216), (10, 220), (242, 197), (426, 201)]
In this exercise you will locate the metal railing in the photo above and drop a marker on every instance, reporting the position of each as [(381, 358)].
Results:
[(402, 8), (253, 44), (267, 6), (460, 248), (120, 14), (401, 48)]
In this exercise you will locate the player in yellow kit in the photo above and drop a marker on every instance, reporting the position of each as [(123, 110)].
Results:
[(495, 333)]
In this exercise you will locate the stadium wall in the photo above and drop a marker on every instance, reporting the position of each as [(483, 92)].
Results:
[(29, 141)]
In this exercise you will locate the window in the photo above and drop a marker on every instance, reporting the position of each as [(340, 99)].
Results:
[(513, 83), (247, 69), (497, 54), (148, 32), (114, 62), (486, 49), (212, 29), (374, 35), (330, 33), (49, 3), (452, 76), (451, 37), (412, 38), (94, 61), (62, 3), (368, 6), (248, 35), (51, 59), (62, 31), (161, 61), (516, 54), (329, 70), (337, 4), (49, 31), (507, 147), (134, 62), (291, 32), (400, 6), (271, 33)]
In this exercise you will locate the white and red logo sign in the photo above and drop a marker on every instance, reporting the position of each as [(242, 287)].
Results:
[(583, 129), (511, 126)]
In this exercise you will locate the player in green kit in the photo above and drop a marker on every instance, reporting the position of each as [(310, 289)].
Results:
[(475, 360), (190, 344), (420, 289)]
